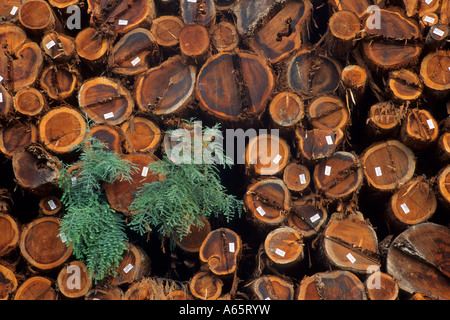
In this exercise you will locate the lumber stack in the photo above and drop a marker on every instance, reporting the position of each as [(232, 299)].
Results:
[(355, 202)]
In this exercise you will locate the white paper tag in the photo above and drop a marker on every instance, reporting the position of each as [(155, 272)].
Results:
[(329, 140), (144, 171), (63, 237), (231, 247), (74, 180), (351, 258), (302, 178), (327, 170), (261, 211), (14, 10), (430, 124), (123, 22), (194, 1), (315, 217), (268, 298), (108, 115), (128, 268), (277, 159), (438, 32), (404, 208), (429, 19), (135, 61), (378, 171), (50, 44), (280, 252), (52, 204), (1, 97), (428, 1), (1, 78)]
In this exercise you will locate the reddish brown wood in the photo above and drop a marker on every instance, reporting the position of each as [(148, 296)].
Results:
[(9, 234), (36, 288)]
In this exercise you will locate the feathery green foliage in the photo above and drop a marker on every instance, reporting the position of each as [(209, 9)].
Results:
[(188, 192), (95, 231)]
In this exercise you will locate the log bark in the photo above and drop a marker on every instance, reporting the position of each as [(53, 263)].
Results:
[(9, 234), (141, 135), (271, 287), (135, 265), (317, 144), (381, 286), (286, 110), (74, 280), (16, 137), (388, 164), (308, 216), (36, 288), (41, 245), (416, 258), (419, 129), (221, 250), (105, 101), (62, 130), (350, 243), (244, 80), (328, 112), (296, 177), (30, 102), (9, 283), (167, 89), (331, 285), (206, 286)]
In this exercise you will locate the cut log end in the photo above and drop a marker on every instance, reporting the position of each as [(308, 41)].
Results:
[(284, 246), (286, 109), (381, 286), (328, 112), (141, 135), (36, 288), (194, 42), (166, 30), (271, 287), (74, 280), (9, 234), (296, 177), (29, 102), (206, 286)]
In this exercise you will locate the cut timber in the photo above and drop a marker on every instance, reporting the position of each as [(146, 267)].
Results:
[(414, 203), (311, 74), (22, 70), (427, 6), (435, 72), (50, 205), (317, 144), (59, 82), (296, 177), (418, 259), (179, 295), (105, 101), (328, 112), (90, 45), (350, 243), (284, 246), (220, 250), (381, 286), (386, 47), (308, 216), (411, 6), (36, 288), (107, 293), (268, 201), (438, 34), (198, 12), (111, 136), (419, 129), (194, 43), (166, 30), (119, 17), (332, 285), (286, 109), (29, 102), (135, 265), (41, 245), (36, 170), (224, 4), (9, 10), (429, 19), (73, 280), (404, 85), (62, 129), (388, 164), (8, 283), (9, 234), (121, 194), (58, 46), (354, 81), (271, 287), (339, 175), (16, 137), (194, 239), (224, 36), (166, 89), (443, 147), (359, 7), (384, 119), (132, 52), (62, 3), (141, 135), (443, 186), (6, 103), (445, 12), (37, 15), (139, 291), (266, 154), (206, 286), (343, 28), (284, 32), (234, 86)]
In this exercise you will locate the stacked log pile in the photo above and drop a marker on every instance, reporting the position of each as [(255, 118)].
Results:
[(355, 203)]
